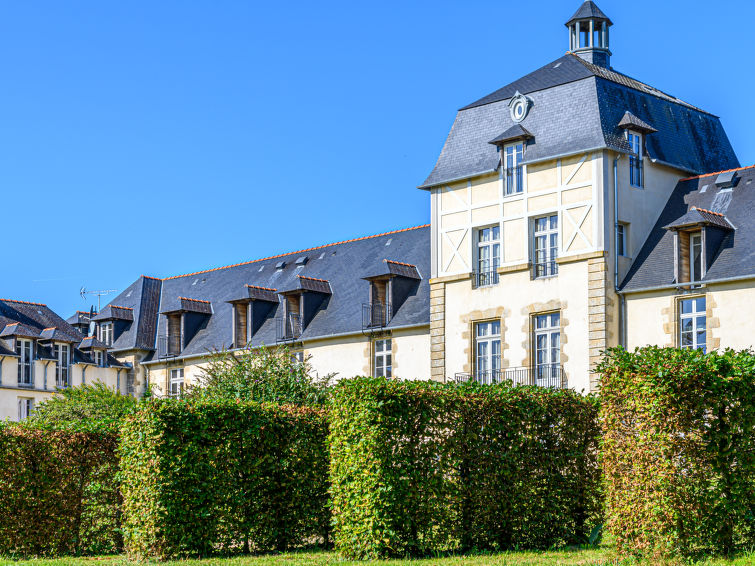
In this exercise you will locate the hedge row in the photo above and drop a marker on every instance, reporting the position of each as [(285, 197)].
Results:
[(679, 450), (205, 477), (419, 467), (58, 492)]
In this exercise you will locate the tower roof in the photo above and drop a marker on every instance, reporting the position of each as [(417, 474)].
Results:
[(589, 11)]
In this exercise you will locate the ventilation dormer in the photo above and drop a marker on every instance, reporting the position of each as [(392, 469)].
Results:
[(698, 235)]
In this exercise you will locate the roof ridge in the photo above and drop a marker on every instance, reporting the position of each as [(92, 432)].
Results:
[(23, 302), (298, 251), (148, 277), (717, 173)]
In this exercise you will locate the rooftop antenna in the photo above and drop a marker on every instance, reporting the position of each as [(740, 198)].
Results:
[(83, 292)]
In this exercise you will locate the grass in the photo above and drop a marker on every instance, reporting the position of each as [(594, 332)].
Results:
[(602, 556)]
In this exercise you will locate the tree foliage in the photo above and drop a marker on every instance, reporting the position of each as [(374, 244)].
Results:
[(678, 450), (263, 375)]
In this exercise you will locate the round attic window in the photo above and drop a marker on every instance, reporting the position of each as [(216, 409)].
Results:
[(519, 107)]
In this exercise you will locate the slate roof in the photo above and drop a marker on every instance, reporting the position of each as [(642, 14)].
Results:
[(32, 319), (57, 335), (515, 132), (113, 312), (588, 10), (143, 296), (91, 343), (341, 265), (79, 317), (630, 121), (577, 107), (654, 264)]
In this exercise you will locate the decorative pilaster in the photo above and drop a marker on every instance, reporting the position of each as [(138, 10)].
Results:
[(599, 313), (437, 331)]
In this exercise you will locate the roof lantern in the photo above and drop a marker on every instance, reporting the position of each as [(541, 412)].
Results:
[(588, 34)]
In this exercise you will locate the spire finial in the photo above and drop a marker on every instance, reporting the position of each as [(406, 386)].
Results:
[(588, 34)]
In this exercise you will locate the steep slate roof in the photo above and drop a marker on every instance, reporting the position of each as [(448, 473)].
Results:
[(143, 296), (338, 267), (33, 319), (654, 264), (577, 107)]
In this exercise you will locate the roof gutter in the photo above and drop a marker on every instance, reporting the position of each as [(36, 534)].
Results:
[(696, 284), (329, 336)]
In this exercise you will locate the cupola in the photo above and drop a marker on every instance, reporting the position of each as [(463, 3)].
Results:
[(588, 34)]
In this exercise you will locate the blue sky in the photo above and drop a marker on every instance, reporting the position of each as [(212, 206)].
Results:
[(165, 137)]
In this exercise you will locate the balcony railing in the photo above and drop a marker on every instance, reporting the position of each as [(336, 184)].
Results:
[(167, 347), (546, 375), (289, 328), (544, 269), (484, 278), (376, 315)]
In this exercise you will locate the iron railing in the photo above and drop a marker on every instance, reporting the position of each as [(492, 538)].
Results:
[(544, 269), (166, 347), (546, 375), (376, 315), (484, 278), (289, 327)]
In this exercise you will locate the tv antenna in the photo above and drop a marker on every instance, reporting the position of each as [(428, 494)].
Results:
[(83, 292)]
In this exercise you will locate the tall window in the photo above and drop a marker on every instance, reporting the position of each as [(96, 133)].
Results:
[(488, 255), (106, 333), (62, 355), (695, 256), (546, 246), (98, 357), (635, 160), (25, 408), (512, 160), (176, 382), (383, 358), (548, 349), (24, 350), (488, 351), (692, 323), (621, 240)]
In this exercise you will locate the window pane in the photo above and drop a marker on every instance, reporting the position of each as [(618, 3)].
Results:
[(686, 306), (687, 325), (541, 224), (495, 327), (700, 323), (379, 346), (496, 232), (555, 320), (700, 304), (686, 339), (388, 360)]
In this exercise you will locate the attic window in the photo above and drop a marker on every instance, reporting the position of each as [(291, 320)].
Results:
[(636, 173)]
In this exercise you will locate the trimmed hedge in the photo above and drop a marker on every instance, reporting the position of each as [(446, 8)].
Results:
[(678, 450), (58, 492), (223, 477), (421, 467)]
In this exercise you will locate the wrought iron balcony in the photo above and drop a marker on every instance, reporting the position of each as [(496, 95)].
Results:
[(376, 315), (544, 269), (484, 278), (289, 328), (546, 375)]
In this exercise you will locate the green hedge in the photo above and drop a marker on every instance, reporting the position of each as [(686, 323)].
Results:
[(223, 477), (58, 492), (679, 450), (420, 467)]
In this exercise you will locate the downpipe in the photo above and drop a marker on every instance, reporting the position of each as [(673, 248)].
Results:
[(619, 294)]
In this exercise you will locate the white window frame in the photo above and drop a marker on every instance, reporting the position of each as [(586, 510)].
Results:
[(25, 407), (546, 328), (695, 240), (488, 244), (176, 382), (62, 354), (383, 361), (487, 351), (636, 164), (106, 333), (25, 351), (696, 333), (297, 357), (512, 156), (98, 356), (544, 259), (622, 242)]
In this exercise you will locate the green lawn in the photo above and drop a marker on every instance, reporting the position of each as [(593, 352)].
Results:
[(602, 556)]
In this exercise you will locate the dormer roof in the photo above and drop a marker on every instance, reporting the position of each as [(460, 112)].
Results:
[(515, 132), (700, 217), (589, 11), (304, 283), (91, 343), (631, 122), (53, 334), (114, 312), (186, 304), (18, 330)]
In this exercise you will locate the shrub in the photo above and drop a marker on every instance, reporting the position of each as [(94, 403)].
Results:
[(204, 477), (263, 375), (678, 450), (58, 492), (420, 467)]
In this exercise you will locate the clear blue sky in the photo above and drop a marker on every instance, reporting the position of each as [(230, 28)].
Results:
[(172, 136)]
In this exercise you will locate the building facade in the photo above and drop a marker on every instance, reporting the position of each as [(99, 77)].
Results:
[(40, 354), (542, 196)]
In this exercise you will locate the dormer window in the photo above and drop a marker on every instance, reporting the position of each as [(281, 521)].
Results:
[(182, 323), (512, 166), (636, 173), (301, 301), (695, 256), (390, 285), (25, 353), (62, 355), (98, 357), (106, 333)]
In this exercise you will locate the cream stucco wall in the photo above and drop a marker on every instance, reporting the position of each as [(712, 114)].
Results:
[(44, 383)]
